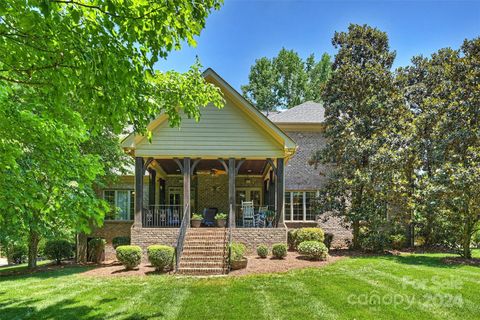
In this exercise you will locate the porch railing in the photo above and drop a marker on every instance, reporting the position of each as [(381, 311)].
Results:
[(263, 217), (162, 216), (181, 238)]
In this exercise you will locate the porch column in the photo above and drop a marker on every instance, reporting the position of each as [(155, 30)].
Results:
[(186, 187), (231, 191), (152, 187), (139, 171), (280, 190)]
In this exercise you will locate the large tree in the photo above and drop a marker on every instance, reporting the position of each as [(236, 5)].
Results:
[(286, 80), (73, 75)]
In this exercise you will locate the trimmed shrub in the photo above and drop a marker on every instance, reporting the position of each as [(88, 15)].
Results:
[(58, 250), (314, 250), (291, 236), (161, 257), (262, 251), (129, 256), (308, 234), (96, 249), (15, 253), (328, 240), (120, 241), (237, 250), (279, 250)]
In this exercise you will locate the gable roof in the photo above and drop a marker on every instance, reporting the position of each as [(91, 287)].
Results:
[(306, 113), (236, 106)]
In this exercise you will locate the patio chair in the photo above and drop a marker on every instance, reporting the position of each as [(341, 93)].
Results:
[(209, 216), (248, 214)]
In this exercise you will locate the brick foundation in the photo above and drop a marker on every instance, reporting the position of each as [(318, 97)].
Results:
[(144, 237), (252, 237)]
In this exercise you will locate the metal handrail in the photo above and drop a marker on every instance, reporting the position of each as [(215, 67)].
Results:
[(231, 224), (181, 237)]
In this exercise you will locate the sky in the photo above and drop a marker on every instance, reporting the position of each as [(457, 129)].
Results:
[(245, 30)]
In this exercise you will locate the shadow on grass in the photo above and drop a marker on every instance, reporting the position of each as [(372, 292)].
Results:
[(42, 273)]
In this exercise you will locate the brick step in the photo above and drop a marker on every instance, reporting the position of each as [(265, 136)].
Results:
[(208, 237), (199, 257), (203, 247), (202, 264), (202, 252), (206, 231), (201, 271), (207, 243)]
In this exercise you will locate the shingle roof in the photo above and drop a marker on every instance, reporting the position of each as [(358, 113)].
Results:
[(307, 112)]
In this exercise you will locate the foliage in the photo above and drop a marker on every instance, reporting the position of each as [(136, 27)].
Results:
[(279, 250), (328, 240), (286, 80), (120, 241), (314, 250), (221, 216), (197, 216), (476, 239), (15, 252), (237, 251), (161, 257), (96, 249), (58, 250), (74, 75), (129, 256), (291, 238), (397, 241), (262, 251), (308, 234)]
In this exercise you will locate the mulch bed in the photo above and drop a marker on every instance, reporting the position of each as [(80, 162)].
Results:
[(462, 261), (116, 269)]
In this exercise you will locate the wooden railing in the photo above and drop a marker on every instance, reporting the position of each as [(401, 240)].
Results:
[(181, 237), (162, 216)]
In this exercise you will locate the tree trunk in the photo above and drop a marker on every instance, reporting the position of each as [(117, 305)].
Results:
[(356, 234), (33, 249)]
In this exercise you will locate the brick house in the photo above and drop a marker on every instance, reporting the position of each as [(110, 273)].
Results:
[(236, 161)]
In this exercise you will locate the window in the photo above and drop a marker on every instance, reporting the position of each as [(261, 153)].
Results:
[(299, 205), (122, 203)]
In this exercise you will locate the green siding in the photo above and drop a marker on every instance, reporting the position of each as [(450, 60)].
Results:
[(226, 132)]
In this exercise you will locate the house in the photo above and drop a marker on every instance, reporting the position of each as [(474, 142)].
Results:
[(235, 161)]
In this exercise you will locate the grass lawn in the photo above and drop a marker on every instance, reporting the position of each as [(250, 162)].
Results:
[(409, 287)]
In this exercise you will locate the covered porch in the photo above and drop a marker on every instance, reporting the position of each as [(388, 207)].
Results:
[(249, 191)]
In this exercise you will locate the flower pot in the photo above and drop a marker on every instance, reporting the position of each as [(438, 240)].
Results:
[(235, 265), (221, 223), (195, 223)]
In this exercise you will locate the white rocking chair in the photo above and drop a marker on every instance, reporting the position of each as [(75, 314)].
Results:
[(248, 214)]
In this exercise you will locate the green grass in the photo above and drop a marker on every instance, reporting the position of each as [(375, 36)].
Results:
[(434, 291), (20, 267)]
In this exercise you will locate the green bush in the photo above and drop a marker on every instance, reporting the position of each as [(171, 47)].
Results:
[(262, 251), (279, 250), (96, 249), (398, 241), (314, 250), (161, 257), (237, 251), (476, 239), (58, 250), (308, 234), (120, 241), (129, 256), (328, 240), (221, 216), (15, 253), (291, 236)]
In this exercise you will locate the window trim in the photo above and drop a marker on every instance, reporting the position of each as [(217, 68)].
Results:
[(115, 190), (304, 204)]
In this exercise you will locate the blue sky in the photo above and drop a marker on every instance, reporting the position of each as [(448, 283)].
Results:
[(244, 30)]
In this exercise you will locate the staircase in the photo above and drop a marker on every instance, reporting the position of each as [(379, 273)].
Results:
[(204, 252)]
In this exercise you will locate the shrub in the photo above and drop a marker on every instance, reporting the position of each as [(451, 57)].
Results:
[(308, 234), (262, 251), (476, 239), (237, 250), (58, 250), (279, 250), (291, 236), (314, 250), (15, 253), (398, 241), (96, 248), (221, 216), (328, 240), (161, 257), (197, 216), (120, 241), (129, 256)]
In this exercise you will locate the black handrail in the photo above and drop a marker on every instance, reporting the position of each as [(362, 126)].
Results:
[(231, 224), (181, 237)]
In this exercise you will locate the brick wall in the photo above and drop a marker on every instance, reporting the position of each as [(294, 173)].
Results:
[(144, 237), (252, 237)]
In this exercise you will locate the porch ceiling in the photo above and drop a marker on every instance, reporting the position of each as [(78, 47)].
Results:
[(249, 167)]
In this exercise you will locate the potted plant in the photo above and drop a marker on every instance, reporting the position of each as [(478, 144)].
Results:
[(196, 220), (270, 215), (237, 258), (221, 219)]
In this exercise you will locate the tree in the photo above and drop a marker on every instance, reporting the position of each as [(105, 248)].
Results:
[(73, 75), (286, 80), (360, 99)]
